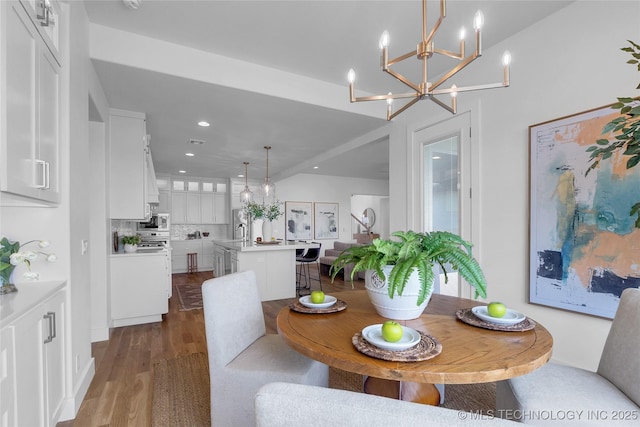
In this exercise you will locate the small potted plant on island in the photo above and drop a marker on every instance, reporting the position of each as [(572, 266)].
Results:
[(400, 273), (131, 242)]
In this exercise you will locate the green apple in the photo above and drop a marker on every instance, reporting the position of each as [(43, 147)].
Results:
[(391, 331), (317, 297), (496, 309)]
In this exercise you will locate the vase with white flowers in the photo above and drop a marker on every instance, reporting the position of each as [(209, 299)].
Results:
[(12, 255)]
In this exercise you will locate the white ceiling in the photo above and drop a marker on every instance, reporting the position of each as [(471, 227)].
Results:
[(316, 39)]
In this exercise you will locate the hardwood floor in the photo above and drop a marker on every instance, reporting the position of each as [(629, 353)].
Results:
[(121, 391)]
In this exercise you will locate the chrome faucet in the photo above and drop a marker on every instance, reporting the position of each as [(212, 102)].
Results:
[(244, 231)]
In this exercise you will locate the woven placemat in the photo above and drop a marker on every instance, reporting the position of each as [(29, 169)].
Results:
[(467, 316), (427, 348), (338, 306)]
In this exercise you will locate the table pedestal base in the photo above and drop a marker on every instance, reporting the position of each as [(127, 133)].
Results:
[(409, 391)]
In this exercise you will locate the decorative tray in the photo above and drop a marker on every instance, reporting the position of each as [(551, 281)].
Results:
[(271, 242), (466, 315), (338, 306), (426, 349)]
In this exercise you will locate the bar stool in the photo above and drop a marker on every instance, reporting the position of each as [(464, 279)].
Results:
[(310, 256), (192, 262)]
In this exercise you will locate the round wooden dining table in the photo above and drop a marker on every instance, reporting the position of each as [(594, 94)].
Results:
[(469, 354)]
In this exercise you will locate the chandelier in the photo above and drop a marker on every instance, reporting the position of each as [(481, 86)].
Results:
[(423, 52), (246, 195), (268, 187)]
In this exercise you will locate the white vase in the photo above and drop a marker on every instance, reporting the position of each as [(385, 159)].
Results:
[(130, 248), (400, 307), (267, 231), (256, 229)]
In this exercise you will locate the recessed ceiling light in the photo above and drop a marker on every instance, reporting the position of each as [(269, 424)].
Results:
[(189, 154), (315, 167), (241, 175), (435, 157), (203, 124), (182, 171)]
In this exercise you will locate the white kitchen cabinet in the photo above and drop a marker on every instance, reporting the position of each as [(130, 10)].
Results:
[(128, 148), (33, 348), (185, 207), (30, 107), (140, 288), (205, 260), (213, 208)]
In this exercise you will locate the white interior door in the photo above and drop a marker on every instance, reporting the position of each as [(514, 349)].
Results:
[(442, 167)]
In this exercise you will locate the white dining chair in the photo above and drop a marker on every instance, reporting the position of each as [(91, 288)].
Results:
[(609, 396), (242, 357)]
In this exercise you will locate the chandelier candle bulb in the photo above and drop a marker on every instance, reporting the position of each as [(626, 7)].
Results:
[(478, 21)]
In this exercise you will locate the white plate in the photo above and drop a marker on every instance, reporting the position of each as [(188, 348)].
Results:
[(373, 335), (328, 301), (510, 318)]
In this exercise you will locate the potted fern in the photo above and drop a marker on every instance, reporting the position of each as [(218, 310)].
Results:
[(400, 273), (131, 242)]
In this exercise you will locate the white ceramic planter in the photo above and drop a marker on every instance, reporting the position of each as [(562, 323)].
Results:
[(267, 231), (130, 248), (400, 307)]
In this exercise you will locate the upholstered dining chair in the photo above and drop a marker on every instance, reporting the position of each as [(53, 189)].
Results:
[(609, 396), (242, 357)]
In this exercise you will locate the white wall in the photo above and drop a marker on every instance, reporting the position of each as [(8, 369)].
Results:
[(329, 189), (565, 64)]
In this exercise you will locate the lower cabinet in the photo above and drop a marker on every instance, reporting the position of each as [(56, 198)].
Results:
[(32, 365), (140, 288), (202, 247)]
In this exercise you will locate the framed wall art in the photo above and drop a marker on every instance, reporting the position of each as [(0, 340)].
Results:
[(583, 243), (325, 220), (298, 218)]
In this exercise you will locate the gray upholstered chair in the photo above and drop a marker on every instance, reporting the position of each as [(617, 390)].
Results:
[(241, 357), (609, 396), (294, 405)]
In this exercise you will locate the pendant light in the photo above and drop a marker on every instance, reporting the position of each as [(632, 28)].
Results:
[(268, 188), (246, 196)]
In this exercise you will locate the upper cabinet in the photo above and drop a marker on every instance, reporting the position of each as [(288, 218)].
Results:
[(129, 157), (30, 104)]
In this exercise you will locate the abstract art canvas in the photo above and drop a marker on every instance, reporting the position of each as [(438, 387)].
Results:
[(298, 216), (584, 247), (326, 220)]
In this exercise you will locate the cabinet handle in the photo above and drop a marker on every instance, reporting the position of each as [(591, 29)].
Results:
[(45, 174), (53, 321), (49, 316)]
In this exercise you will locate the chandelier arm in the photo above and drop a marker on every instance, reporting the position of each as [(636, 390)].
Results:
[(385, 97), (470, 88), (402, 109), (449, 53), (451, 109), (404, 80), (468, 60), (401, 58)]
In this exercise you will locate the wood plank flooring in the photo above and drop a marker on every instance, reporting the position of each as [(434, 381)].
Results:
[(121, 391)]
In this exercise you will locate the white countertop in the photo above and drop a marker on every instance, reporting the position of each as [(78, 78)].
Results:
[(162, 252), (247, 246), (29, 295)]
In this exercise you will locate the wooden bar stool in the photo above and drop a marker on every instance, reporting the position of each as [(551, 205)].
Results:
[(192, 262)]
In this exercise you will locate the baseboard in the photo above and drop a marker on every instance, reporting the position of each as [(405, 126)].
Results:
[(100, 334), (116, 323), (72, 403)]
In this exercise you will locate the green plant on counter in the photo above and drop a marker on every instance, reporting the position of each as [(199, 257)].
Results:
[(268, 211), (131, 240), (414, 250)]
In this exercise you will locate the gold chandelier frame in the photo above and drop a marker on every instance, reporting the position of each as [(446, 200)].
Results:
[(423, 52)]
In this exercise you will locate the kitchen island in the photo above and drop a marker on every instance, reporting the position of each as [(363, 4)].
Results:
[(273, 263)]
